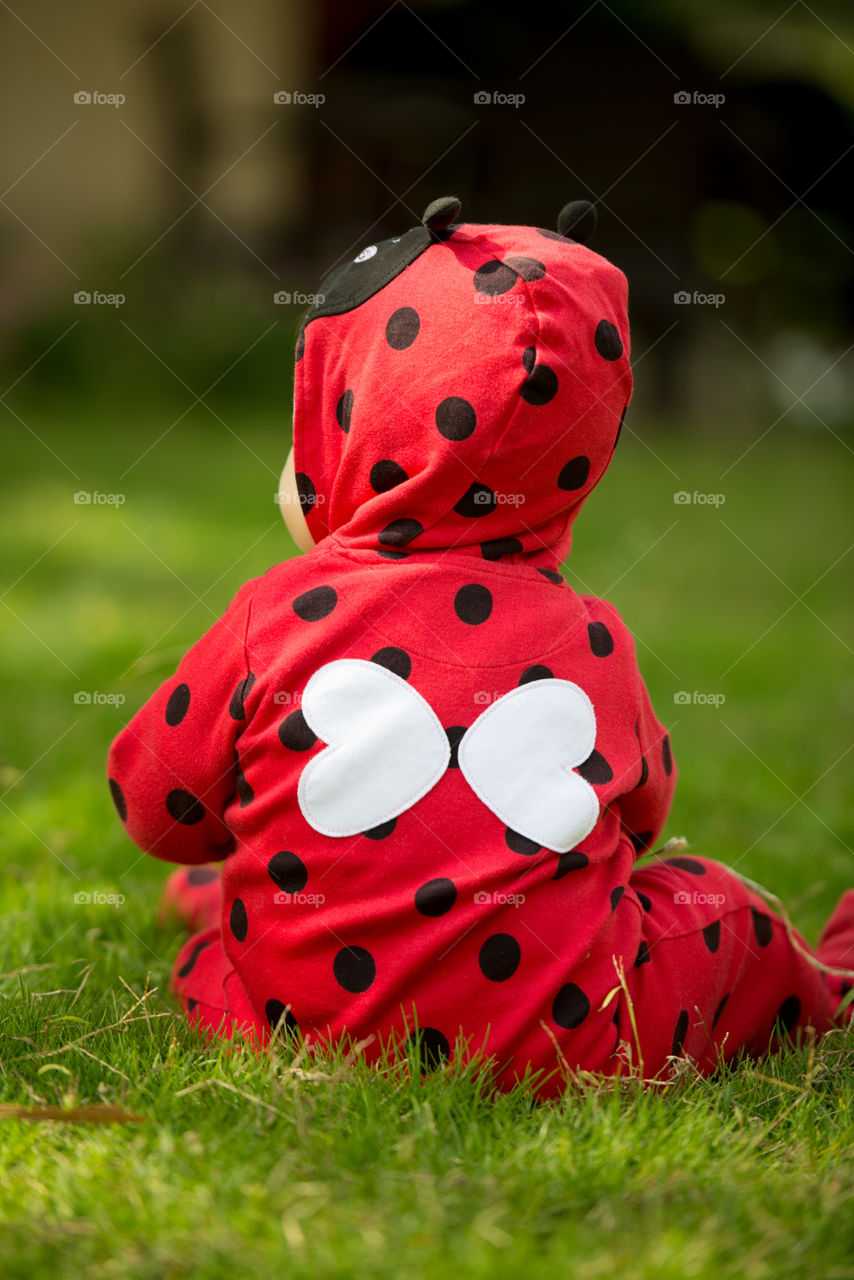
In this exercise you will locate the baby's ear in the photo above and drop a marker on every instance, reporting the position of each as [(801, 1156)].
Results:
[(577, 221)]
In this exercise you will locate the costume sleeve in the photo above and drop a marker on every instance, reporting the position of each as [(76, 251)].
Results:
[(173, 768), (644, 809)]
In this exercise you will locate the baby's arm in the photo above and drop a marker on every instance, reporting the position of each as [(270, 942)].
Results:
[(173, 768), (644, 809)]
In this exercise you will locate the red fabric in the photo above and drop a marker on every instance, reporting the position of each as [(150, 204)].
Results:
[(518, 954)]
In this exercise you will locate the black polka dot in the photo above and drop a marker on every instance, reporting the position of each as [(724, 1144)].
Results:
[(394, 659), (275, 1011), (344, 410), (620, 426), (499, 547), (643, 955), (521, 844), (540, 386), (244, 790), (666, 755), (354, 969), (608, 341), (315, 604), (190, 963), (430, 1047), (473, 603), (575, 860), (394, 555), (119, 799), (644, 772), (616, 895), (455, 735), (455, 418), (178, 704), (787, 1015), (191, 1004), (645, 902), (691, 865), (595, 769), (601, 640), (573, 475), (306, 491), (236, 708), (494, 278), (202, 875), (399, 532), (436, 897), (300, 347), (478, 500), (402, 328), (762, 927), (499, 957), (529, 358), (570, 1007), (551, 235), (720, 1010), (295, 734), (640, 840), (382, 830), (288, 872), (386, 475), (184, 807), (528, 268), (551, 575), (238, 921), (680, 1031), (712, 936), (536, 672)]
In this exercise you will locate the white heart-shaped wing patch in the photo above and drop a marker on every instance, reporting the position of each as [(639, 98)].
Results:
[(519, 754), (386, 747)]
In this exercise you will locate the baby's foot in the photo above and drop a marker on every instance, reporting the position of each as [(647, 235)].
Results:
[(193, 897)]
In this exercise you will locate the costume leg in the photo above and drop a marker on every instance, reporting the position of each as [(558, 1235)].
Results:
[(211, 992), (717, 971), (836, 949)]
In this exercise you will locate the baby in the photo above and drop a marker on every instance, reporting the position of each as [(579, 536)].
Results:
[(428, 765)]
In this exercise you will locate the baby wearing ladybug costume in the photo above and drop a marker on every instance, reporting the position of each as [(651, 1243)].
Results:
[(427, 765)]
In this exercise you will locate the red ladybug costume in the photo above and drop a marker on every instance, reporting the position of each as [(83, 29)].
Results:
[(428, 764)]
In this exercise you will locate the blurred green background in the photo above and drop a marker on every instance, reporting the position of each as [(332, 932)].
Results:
[(185, 165)]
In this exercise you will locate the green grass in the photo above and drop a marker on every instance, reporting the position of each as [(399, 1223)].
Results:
[(248, 1166)]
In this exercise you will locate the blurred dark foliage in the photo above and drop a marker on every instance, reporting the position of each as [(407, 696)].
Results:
[(752, 197)]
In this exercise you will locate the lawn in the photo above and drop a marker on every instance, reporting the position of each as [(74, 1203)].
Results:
[(259, 1166)]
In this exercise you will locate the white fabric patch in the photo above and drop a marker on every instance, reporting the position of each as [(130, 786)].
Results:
[(519, 754), (363, 257), (386, 747)]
